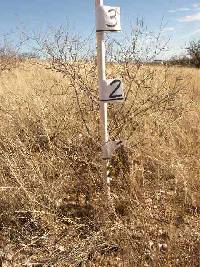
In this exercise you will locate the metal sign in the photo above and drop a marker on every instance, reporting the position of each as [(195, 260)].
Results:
[(109, 148), (112, 91), (108, 18)]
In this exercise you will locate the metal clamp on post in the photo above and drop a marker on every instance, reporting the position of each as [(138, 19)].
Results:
[(109, 148)]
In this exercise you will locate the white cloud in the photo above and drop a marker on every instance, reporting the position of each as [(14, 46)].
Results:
[(172, 11), (181, 9), (190, 18), (184, 9), (196, 5), (194, 32), (190, 34), (168, 29)]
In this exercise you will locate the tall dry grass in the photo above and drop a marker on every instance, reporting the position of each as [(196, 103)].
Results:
[(50, 168)]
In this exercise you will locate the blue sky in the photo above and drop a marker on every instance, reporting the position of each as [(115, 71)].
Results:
[(181, 17)]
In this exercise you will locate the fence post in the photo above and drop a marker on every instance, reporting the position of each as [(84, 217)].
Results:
[(111, 90), (101, 65)]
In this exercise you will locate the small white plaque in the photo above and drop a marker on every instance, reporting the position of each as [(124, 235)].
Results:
[(109, 148), (108, 18), (112, 91)]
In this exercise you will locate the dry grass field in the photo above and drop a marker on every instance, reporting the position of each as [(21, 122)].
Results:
[(51, 206)]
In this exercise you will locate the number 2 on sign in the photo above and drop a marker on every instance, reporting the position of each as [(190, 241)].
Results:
[(112, 91), (114, 94)]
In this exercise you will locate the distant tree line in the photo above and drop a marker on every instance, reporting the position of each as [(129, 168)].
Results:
[(191, 57), (9, 57)]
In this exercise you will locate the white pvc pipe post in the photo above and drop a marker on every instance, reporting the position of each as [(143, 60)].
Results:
[(101, 64)]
